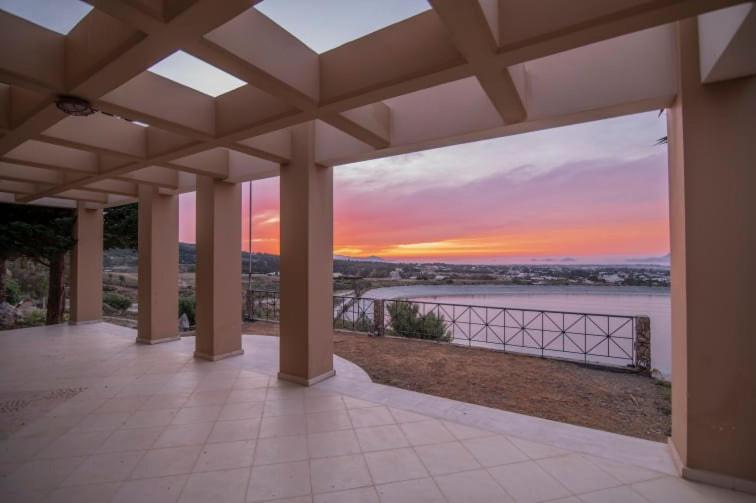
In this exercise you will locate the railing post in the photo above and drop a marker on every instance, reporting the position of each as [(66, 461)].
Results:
[(643, 342), (378, 328), (250, 304)]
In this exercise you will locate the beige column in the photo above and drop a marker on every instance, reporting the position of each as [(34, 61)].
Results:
[(158, 266), (712, 159), (306, 352), (86, 267), (219, 307)]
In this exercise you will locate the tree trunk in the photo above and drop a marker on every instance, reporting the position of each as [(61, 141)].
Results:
[(55, 291), (2, 280)]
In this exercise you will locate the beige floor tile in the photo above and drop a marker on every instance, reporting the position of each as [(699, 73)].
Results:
[(18, 449), (74, 444), (622, 494), (359, 495), (395, 465), (280, 449), (283, 407), (450, 457), (673, 489), (123, 404), (229, 431), (528, 482), (627, 474), (108, 421), (243, 410), (535, 450), (101, 468), (426, 432), (411, 491), (84, 494), (463, 432), (332, 443), (146, 418), (280, 426), (136, 439), (247, 395), (577, 474), (168, 461), (158, 490), (493, 451), (331, 420), (207, 397), (323, 403), (189, 434), (370, 416), (339, 473), (225, 486), (283, 480), (475, 486), (405, 416), (165, 401), (377, 438), (225, 456), (39, 474), (356, 403), (200, 414), (260, 382)]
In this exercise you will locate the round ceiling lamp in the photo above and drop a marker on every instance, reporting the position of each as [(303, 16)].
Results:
[(74, 106)]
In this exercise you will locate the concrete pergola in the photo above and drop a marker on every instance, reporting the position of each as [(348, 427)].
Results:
[(464, 70)]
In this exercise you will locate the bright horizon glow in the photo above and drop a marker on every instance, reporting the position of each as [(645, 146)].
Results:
[(60, 16), (326, 24), (196, 74), (592, 193)]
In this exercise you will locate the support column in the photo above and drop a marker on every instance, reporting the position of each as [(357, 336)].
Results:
[(86, 267), (158, 266), (306, 351), (712, 156), (219, 307)]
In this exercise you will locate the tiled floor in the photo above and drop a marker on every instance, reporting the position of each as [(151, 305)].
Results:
[(157, 425)]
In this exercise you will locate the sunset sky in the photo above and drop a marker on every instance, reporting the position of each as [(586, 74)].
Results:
[(596, 192)]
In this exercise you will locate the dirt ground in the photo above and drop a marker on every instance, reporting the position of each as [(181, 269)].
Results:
[(619, 402)]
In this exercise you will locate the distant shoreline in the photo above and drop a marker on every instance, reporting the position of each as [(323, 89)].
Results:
[(415, 291)]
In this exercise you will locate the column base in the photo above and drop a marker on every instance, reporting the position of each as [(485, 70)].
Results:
[(710, 478), (140, 340), (215, 358), (306, 382), (85, 322)]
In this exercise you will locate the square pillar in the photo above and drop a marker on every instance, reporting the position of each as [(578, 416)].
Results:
[(219, 308), (306, 342), (712, 164), (86, 267), (158, 266)]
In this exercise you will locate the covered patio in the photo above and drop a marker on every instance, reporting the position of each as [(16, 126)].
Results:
[(157, 424), (87, 122)]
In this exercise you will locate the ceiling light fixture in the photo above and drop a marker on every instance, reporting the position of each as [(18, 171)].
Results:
[(73, 105)]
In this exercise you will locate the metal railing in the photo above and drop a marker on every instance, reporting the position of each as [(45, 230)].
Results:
[(603, 339)]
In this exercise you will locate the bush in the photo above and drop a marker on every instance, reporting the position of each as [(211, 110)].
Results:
[(187, 305), (12, 291), (406, 321), (117, 301), (33, 318)]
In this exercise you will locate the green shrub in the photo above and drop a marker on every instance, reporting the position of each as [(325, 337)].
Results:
[(34, 318), (117, 301), (187, 305), (406, 321), (12, 291)]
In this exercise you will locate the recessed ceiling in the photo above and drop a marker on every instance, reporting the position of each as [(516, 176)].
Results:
[(193, 72), (325, 24), (57, 15)]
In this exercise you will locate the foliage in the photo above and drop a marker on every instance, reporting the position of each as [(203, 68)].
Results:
[(361, 324), (33, 318), (187, 305), (12, 291), (407, 321), (121, 224), (117, 301)]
